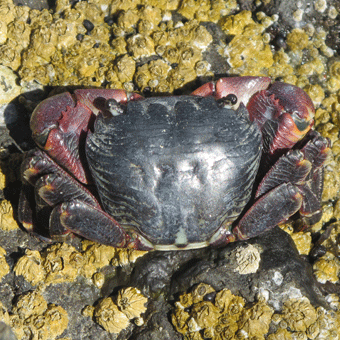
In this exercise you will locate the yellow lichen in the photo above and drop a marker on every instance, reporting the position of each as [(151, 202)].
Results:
[(131, 302)]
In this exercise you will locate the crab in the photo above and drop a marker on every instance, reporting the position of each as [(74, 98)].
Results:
[(230, 161)]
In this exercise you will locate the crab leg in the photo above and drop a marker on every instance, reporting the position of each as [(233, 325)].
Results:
[(85, 220), (264, 214), (294, 184), (80, 213)]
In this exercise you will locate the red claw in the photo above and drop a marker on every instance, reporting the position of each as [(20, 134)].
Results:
[(284, 113), (60, 123)]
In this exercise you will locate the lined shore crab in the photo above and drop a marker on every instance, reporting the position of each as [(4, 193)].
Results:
[(228, 162)]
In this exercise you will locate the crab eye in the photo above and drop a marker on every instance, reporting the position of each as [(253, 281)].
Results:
[(301, 124), (114, 107), (228, 101)]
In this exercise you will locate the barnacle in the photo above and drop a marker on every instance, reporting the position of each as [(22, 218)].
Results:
[(247, 52), (125, 68), (255, 321), (327, 268), (153, 75), (110, 317), (42, 320), (229, 304), (7, 221), (248, 259), (98, 279), (297, 39), (180, 319), (302, 240), (299, 314), (30, 267), (150, 17), (62, 263), (131, 302), (96, 256), (205, 314), (225, 318), (9, 88), (116, 317), (31, 303), (281, 334), (200, 291), (4, 267), (140, 46), (206, 10)]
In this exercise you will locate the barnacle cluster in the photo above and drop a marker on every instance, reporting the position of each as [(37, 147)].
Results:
[(249, 53), (115, 314), (204, 313), (84, 45), (327, 268), (300, 320), (63, 263), (34, 318)]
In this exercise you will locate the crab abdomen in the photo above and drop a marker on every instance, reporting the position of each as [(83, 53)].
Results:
[(175, 169)]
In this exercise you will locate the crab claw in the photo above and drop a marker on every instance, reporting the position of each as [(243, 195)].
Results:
[(59, 124), (284, 114)]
